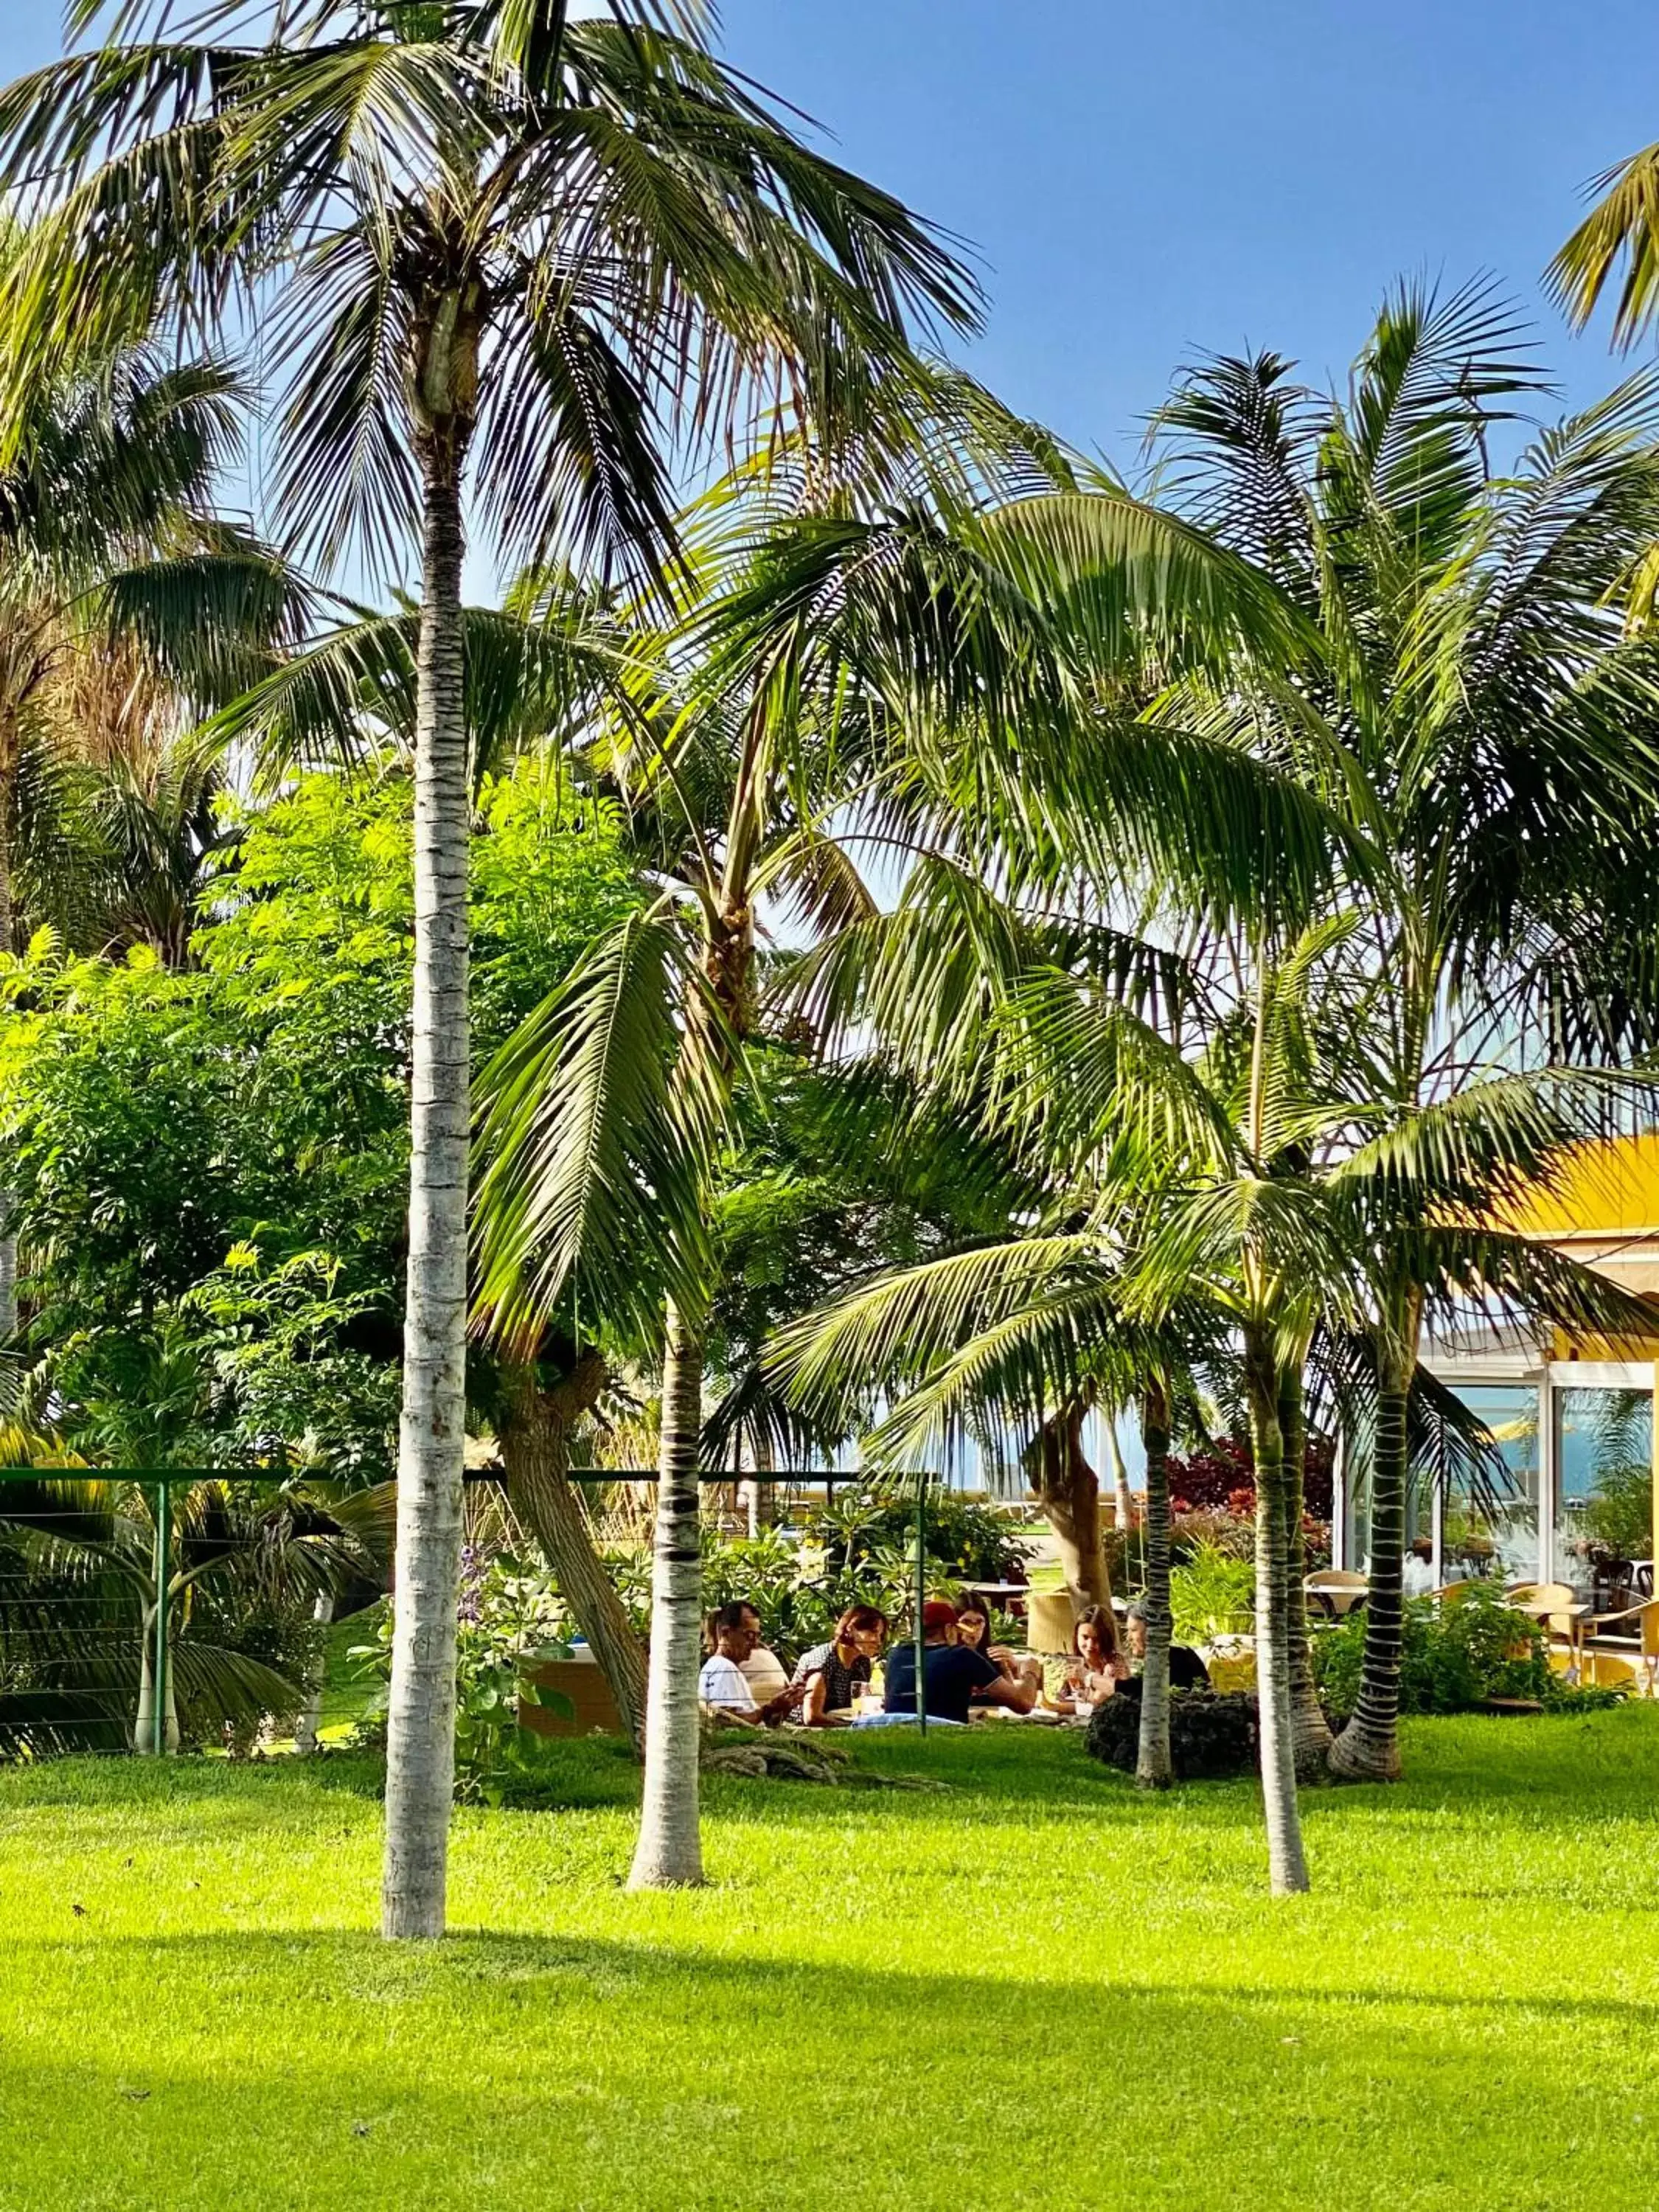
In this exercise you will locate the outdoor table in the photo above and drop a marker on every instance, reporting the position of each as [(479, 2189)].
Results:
[(1575, 1615)]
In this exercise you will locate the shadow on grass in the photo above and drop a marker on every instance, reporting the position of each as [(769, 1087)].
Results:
[(1562, 1771), (653, 2072)]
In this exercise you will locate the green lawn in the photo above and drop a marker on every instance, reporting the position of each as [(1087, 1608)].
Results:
[(1035, 1990)]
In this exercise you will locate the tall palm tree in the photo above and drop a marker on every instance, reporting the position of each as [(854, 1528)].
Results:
[(1166, 1226), (501, 252), (890, 657), (1482, 716)]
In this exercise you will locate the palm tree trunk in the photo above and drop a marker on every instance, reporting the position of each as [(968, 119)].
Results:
[(669, 1853), (1069, 1489), (1152, 1767), (1309, 1730), (143, 1727), (311, 1713), (1287, 1869), (8, 1196), (421, 1738), (1368, 1749), (535, 1429), (1123, 1504)]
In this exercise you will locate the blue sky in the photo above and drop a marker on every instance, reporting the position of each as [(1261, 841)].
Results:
[(1143, 181)]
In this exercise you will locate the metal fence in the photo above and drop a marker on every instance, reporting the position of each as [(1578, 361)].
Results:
[(90, 1595)]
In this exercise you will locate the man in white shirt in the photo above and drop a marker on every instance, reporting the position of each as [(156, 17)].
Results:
[(1416, 1574), (723, 1690)]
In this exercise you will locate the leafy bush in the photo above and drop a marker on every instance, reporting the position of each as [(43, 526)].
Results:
[(1232, 1533), (276, 1630), (508, 1618), (1222, 1477), (1620, 1517), (1213, 1736), (1453, 1660), (1211, 1594), (966, 1540)]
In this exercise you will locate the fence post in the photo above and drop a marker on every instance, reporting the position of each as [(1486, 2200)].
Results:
[(921, 1600), (163, 1575)]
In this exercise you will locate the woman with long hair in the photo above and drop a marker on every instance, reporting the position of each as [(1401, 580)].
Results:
[(1097, 1665), (830, 1675), (974, 1629)]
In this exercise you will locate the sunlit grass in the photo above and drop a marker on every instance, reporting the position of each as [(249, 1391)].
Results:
[(1036, 1990)]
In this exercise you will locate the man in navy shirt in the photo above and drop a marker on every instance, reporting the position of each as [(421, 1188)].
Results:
[(955, 1674)]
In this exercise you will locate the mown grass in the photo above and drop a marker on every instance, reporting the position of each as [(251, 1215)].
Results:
[(1037, 1990)]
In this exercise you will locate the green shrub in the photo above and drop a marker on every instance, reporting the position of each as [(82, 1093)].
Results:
[(278, 1629), (1453, 1658), (510, 1617), (1211, 1594), (1620, 1514)]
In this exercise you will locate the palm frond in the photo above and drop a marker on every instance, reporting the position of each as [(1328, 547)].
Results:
[(599, 1117), (1622, 228)]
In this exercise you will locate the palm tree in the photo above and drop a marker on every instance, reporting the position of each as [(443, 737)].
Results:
[(895, 655), (110, 560), (1483, 718), (1170, 1218), (1622, 228), (92, 1577), (500, 251)]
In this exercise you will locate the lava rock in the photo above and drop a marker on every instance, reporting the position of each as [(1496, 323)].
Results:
[(1214, 1735)]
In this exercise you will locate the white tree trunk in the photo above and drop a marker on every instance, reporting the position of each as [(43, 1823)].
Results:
[(669, 1854), (305, 1728), (420, 1739), (1122, 1498), (1152, 1765), (1287, 1867), (143, 1727)]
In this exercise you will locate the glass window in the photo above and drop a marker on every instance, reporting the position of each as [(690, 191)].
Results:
[(1419, 1513), (1604, 1490), (1492, 1530)]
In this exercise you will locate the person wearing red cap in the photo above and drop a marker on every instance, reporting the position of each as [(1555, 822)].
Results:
[(954, 1675)]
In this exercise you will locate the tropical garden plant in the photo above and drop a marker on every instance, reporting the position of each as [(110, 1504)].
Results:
[(501, 252), (1482, 716)]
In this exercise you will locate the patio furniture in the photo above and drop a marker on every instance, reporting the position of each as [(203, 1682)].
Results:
[(592, 1707), (1556, 1606), (1234, 1674), (1611, 1670), (1337, 1590), (1050, 1617), (1637, 1622)]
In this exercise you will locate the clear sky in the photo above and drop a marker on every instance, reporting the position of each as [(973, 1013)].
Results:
[(1144, 180)]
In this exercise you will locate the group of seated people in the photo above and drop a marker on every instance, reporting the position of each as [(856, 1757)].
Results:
[(964, 1670)]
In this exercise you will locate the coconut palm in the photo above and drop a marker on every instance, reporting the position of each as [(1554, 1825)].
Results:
[(1482, 715), (1620, 233), (895, 656), (110, 560), (503, 253)]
